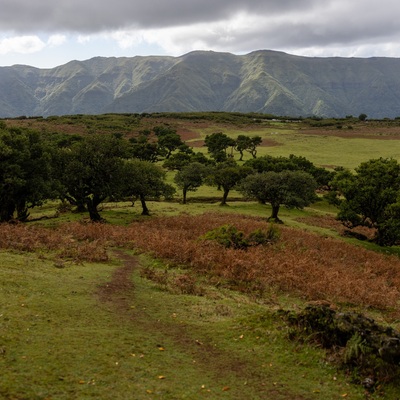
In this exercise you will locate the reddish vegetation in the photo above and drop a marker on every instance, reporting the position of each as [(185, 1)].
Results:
[(361, 131), (302, 263)]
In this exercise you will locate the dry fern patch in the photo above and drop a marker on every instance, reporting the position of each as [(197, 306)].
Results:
[(302, 263)]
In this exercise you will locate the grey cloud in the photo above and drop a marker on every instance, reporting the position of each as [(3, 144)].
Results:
[(361, 23), (286, 23), (89, 16)]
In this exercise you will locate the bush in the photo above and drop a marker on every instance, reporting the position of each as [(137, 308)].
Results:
[(229, 236), (369, 350), (259, 237)]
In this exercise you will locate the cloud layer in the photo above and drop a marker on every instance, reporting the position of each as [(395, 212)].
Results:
[(311, 27), (94, 16)]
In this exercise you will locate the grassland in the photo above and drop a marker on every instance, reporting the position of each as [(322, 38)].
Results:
[(142, 308), (343, 142), (66, 335), (166, 316), (328, 147)]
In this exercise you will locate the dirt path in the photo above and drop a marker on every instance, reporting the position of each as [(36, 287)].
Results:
[(119, 294), (117, 290)]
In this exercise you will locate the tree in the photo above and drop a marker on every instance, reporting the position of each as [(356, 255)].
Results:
[(143, 179), (288, 188), (26, 179), (217, 145), (143, 148), (291, 163), (227, 175), (190, 178), (179, 160), (168, 143), (371, 197), (94, 171), (254, 142), (247, 143)]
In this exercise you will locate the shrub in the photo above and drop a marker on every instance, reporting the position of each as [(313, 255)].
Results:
[(260, 237), (371, 351), (229, 236)]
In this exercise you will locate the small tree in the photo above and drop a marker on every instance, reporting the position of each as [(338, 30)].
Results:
[(217, 145), (143, 148), (291, 163), (190, 178), (143, 179), (227, 175), (179, 160), (247, 143), (93, 171), (168, 143), (371, 197), (26, 178), (288, 188)]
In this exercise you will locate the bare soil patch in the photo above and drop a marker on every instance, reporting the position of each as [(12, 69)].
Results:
[(117, 290), (365, 132)]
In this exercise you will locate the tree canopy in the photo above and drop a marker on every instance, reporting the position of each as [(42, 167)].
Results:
[(371, 197), (143, 179), (26, 178), (93, 171), (288, 188), (217, 145), (291, 163), (190, 178), (247, 143), (227, 175)]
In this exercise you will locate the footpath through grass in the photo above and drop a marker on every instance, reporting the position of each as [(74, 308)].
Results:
[(103, 331)]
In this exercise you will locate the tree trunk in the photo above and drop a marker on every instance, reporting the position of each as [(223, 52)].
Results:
[(79, 203), (224, 197), (274, 215), (7, 212), (145, 210), (184, 196), (22, 212), (93, 213), (91, 204)]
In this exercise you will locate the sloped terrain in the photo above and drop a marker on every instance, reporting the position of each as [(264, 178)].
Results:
[(263, 81)]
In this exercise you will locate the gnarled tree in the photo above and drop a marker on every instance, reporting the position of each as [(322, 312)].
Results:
[(293, 189)]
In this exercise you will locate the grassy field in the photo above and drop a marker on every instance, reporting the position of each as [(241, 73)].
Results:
[(63, 339), (86, 315), (66, 335), (324, 147), (141, 308), (322, 142)]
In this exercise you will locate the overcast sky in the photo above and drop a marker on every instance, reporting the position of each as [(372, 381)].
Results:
[(47, 33)]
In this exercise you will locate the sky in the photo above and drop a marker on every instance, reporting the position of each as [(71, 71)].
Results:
[(48, 33)]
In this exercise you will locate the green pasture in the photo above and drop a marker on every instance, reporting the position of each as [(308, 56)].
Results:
[(60, 341), (327, 150), (331, 151)]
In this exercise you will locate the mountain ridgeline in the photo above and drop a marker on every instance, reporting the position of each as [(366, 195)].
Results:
[(262, 81)]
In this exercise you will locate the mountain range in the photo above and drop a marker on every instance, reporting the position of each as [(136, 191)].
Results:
[(263, 81)]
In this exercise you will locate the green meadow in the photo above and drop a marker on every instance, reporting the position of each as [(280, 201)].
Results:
[(324, 148), (89, 314)]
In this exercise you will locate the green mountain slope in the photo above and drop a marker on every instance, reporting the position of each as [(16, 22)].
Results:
[(262, 81)]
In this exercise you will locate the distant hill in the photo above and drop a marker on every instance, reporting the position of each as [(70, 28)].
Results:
[(262, 81)]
